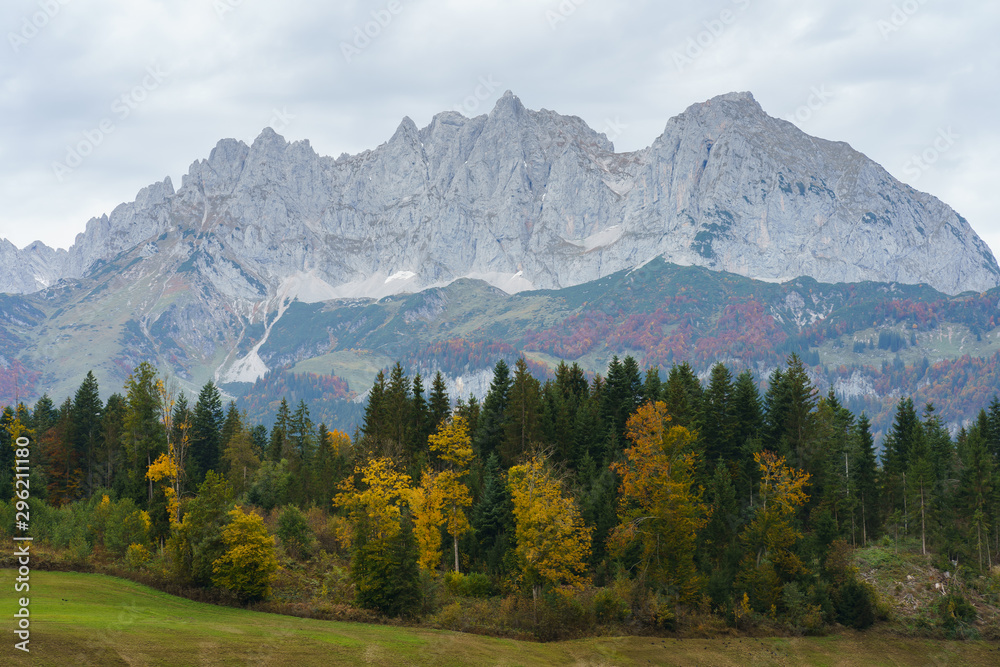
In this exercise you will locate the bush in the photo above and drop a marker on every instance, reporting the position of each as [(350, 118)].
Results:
[(856, 604), (136, 556), (294, 532), (956, 616), (248, 565), (561, 614), (609, 607), (473, 585)]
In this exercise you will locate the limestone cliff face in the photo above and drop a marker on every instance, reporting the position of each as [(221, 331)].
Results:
[(528, 199)]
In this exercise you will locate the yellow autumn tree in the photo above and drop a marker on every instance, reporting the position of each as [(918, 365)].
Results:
[(249, 564), (426, 501), (164, 467), (375, 507), (552, 541), (170, 466), (453, 445), (660, 509), (769, 539)]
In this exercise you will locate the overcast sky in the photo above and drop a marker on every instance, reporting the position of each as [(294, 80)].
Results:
[(102, 97)]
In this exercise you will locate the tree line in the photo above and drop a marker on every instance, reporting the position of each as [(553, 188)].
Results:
[(701, 493)]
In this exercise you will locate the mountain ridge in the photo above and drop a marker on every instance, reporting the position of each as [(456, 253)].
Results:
[(533, 199)]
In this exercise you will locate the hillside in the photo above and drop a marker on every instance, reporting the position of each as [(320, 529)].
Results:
[(872, 342)]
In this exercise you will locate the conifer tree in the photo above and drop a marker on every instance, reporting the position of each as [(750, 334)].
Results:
[(718, 432), (866, 481), (374, 428), (490, 432), (523, 414), (279, 443), (683, 397), (232, 424), (439, 405), (45, 415), (206, 430), (85, 430), (143, 437)]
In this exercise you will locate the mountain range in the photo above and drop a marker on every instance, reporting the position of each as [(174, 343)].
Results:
[(204, 280)]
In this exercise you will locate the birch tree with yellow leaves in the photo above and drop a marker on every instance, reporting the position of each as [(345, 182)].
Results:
[(552, 541), (660, 508)]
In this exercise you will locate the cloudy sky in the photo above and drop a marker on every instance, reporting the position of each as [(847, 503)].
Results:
[(102, 97)]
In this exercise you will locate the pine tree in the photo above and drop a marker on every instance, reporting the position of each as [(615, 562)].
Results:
[(866, 481), (206, 430), (398, 411), (85, 430), (419, 426), (523, 414), (373, 426), (489, 434), (278, 445), (44, 416), (652, 388), (493, 517), (683, 397), (439, 405), (232, 425), (112, 431), (719, 430)]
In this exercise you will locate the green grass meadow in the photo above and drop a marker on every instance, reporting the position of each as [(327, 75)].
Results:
[(90, 619)]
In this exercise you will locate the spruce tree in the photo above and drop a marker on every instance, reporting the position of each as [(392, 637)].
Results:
[(523, 414), (278, 444), (866, 481), (374, 428), (683, 396), (44, 416), (489, 435), (719, 429), (85, 429), (206, 430), (439, 405)]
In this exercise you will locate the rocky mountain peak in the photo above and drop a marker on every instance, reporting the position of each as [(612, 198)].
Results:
[(536, 199)]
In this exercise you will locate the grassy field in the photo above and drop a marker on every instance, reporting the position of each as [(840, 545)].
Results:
[(87, 619)]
